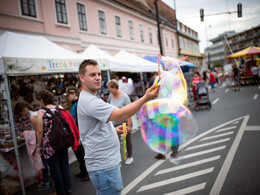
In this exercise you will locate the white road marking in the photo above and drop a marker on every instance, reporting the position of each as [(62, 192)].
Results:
[(201, 153), (252, 128), (215, 101), (184, 166), (207, 144), (176, 179), (226, 90), (228, 161), (138, 179), (259, 87), (235, 123), (225, 129), (255, 97), (188, 190), (216, 136)]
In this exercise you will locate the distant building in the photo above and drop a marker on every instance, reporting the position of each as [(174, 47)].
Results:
[(189, 44), (242, 40), (216, 53)]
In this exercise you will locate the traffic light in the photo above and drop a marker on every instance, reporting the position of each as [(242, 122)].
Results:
[(201, 15), (239, 10)]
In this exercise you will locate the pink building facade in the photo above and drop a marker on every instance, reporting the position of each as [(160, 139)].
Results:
[(75, 24)]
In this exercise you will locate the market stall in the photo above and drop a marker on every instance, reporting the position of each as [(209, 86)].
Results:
[(28, 64), (245, 60)]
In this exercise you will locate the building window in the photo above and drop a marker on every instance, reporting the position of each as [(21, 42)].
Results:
[(150, 35), (82, 17), (188, 42), (131, 29), (102, 22), (184, 44), (172, 41), (118, 26), (141, 32), (61, 11), (166, 40), (28, 8)]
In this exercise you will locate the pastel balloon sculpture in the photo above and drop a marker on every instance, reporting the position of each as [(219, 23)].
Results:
[(166, 121)]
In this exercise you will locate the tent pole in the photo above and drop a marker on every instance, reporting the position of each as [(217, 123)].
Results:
[(13, 132), (108, 75), (142, 83)]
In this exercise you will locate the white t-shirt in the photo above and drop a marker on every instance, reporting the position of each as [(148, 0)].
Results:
[(99, 137), (122, 101), (254, 70)]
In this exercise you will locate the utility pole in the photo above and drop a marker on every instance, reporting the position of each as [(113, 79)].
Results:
[(177, 32), (208, 49), (158, 26)]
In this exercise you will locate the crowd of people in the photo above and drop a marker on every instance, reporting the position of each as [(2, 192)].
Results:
[(97, 128)]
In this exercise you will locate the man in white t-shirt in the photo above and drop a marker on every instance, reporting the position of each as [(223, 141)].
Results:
[(97, 133), (255, 71)]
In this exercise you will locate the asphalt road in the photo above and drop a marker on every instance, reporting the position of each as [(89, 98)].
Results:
[(223, 157)]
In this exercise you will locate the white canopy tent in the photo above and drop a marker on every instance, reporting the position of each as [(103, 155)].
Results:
[(28, 54), (132, 63), (93, 52)]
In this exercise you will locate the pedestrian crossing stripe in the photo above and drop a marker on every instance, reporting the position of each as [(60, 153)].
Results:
[(222, 175)]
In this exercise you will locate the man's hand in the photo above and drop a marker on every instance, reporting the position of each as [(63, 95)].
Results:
[(152, 92), (119, 129)]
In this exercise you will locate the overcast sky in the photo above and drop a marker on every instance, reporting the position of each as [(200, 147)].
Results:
[(188, 12)]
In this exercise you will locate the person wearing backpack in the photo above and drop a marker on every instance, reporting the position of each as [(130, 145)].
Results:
[(57, 158), (97, 133), (72, 96)]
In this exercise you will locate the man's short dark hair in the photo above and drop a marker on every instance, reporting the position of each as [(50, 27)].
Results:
[(84, 63)]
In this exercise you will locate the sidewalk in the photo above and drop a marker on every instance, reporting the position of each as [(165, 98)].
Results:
[(78, 187)]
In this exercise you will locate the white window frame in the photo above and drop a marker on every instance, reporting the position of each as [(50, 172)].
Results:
[(102, 31), (172, 40), (131, 30), (118, 27), (67, 17), (166, 40), (150, 32), (141, 29), (85, 16), (35, 9)]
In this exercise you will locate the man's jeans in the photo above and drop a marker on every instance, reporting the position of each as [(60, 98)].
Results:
[(107, 181)]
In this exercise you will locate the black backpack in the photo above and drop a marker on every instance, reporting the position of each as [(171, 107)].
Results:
[(61, 135)]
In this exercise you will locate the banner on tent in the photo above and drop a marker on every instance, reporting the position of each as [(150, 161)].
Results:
[(15, 66)]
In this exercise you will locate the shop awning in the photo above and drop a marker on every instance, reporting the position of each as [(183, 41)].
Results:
[(250, 51)]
